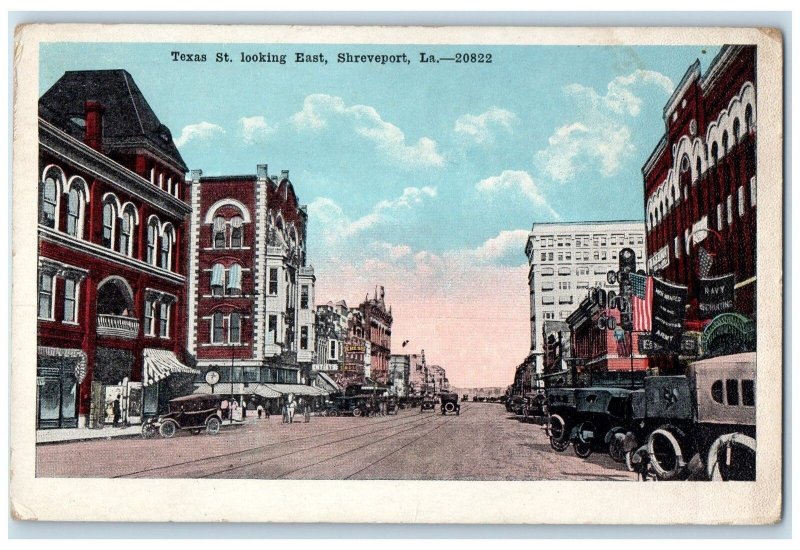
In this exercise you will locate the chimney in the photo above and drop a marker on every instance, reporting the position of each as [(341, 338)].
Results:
[(284, 175), (94, 125), (262, 172), (195, 175)]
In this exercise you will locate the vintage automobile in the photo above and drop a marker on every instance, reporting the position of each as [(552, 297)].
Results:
[(392, 405), (710, 412), (516, 405), (352, 405), (450, 403), (534, 405), (191, 412), (428, 403), (560, 410), (600, 413)]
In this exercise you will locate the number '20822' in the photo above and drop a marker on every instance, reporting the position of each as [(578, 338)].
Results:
[(473, 58)]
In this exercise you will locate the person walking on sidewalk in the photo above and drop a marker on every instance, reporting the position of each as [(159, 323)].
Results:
[(292, 406), (117, 408), (260, 411)]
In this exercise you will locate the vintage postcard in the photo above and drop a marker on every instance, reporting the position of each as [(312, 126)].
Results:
[(435, 275)]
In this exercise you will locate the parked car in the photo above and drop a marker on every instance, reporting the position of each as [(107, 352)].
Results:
[(600, 413), (351, 406), (450, 403), (560, 409), (191, 412)]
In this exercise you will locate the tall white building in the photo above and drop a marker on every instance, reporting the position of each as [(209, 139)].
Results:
[(567, 259)]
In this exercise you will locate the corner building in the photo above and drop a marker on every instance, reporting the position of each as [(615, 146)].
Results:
[(251, 294), (700, 181), (113, 211)]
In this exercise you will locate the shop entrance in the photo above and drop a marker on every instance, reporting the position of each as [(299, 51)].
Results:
[(57, 388)]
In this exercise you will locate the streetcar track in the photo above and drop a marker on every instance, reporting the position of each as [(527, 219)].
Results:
[(272, 444), (414, 424)]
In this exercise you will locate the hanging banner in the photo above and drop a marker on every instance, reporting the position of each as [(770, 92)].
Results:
[(715, 296), (669, 312), (658, 260)]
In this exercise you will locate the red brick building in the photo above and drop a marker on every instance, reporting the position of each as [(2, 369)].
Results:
[(112, 266), (377, 323), (251, 303), (700, 181)]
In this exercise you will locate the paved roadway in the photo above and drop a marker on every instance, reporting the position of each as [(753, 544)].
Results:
[(483, 443)]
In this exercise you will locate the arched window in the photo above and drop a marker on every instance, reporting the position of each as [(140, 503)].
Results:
[(235, 280), (736, 130), (715, 153), (49, 203), (725, 142), (748, 118), (217, 280), (126, 233), (699, 167), (219, 232), (236, 232), (109, 221), (152, 236), (73, 212), (216, 328), (167, 238), (235, 328)]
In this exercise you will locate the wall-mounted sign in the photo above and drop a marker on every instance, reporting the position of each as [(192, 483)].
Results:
[(659, 260), (689, 345), (715, 296)]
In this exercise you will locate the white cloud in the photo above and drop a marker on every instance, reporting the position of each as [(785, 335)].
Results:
[(393, 251), (201, 131), (600, 139), (320, 109), (480, 128), (517, 180), (254, 129), (509, 243), (338, 225)]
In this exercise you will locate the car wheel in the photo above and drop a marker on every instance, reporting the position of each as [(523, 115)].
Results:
[(583, 450), (732, 457), (357, 412), (449, 407), (667, 453), (168, 429), (148, 430), (333, 414), (212, 425), (616, 451), (558, 444)]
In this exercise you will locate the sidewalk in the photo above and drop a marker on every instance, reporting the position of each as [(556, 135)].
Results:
[(64, 435)]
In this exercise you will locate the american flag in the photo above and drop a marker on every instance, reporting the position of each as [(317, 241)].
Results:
[(704, 262), (642, 301)]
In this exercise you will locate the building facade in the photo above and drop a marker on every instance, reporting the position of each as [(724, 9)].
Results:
[(377, 324), (331, 331), (700, 182), (113, 212), (400, 374), (565, 261), (251, 304)]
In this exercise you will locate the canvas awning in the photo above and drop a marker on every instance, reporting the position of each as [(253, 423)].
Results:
[(327, 380), (238, 388), (160, 363), (70, 353), (297, 389)]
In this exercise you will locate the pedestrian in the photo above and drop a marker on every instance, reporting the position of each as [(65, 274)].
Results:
[(285, 410), (291, 408), (307, 413), (260, 411), (244, 409), (117, 409)]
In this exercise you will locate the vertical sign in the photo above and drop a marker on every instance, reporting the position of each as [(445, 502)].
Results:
[(715, 296), (669, 312)]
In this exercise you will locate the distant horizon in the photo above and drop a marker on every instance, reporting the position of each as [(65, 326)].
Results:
[(414, 180)]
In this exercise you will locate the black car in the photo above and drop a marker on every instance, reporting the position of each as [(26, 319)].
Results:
[(450, 403), (427, 404), (190, 412)]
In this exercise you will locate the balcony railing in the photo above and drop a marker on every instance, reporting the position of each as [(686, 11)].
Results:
[(118, 326)]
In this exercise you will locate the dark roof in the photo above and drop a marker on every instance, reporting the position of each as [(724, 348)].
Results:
[(128, 120)]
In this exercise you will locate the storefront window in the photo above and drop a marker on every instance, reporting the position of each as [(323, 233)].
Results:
[(49, 394), (236, 374), (251, 374)]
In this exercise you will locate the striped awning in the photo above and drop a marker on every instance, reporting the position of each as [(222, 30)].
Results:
[(219, 223), (238, 388), (297, 389), (236, 222), (328, 381), (160, 363), (235, 277), (217, 275), (79, 354)]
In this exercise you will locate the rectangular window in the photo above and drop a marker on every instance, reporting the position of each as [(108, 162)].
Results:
[(544, 256), (565, 299), (740, 198), (730, 209), (45, 296), (304, 337), (732, 392), (217, 328), (550, 256), (565, 285), (583, 284), (148, 317), (273, 281), (549, 315), (547, 300), (547, 286), (748, 393), (237, 373), (235, 328), (568, 256), (70, 297), (304, 297), (753, 191), (596, 255), (720, 221), (677, 247), (251, 374), (273, 328), (163, 321)]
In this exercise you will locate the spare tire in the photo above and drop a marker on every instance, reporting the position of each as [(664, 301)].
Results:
[(741, 452), (557, 428), (666, 451), (449, 406)]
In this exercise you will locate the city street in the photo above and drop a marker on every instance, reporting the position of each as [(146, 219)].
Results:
[(483, 443)]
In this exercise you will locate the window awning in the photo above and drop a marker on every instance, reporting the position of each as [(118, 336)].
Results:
[(236, 222), (219, 223), (217, 275), (298, 389), (238, 388), (160, 363), (235, 277), (329, 381), (79, 354)]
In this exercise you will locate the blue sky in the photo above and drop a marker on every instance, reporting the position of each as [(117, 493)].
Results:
[(421, 177)]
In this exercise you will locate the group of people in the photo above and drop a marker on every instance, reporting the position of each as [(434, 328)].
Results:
[(290, 407)]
